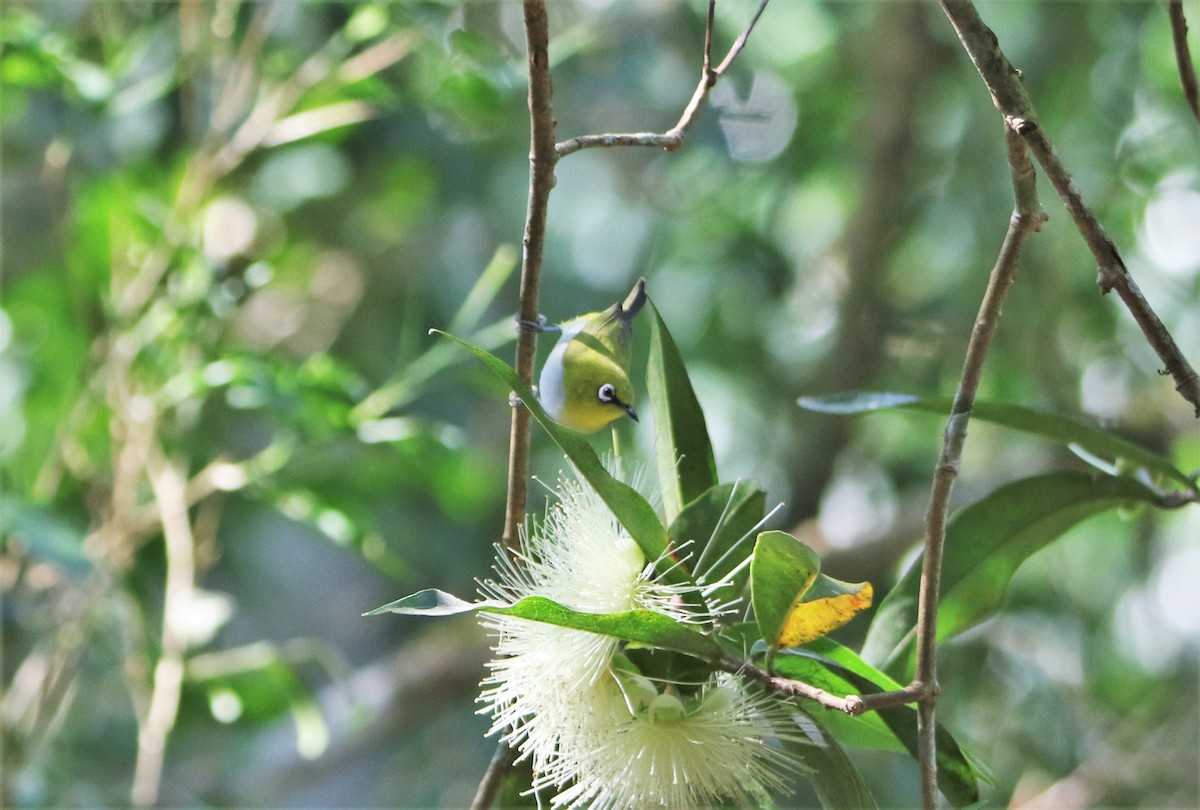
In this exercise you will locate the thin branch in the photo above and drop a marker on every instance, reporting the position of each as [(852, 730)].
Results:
[(874, 701), (542, 158), (154, 728), (673, 138), (1183, 56), (849, 705), (740, 42), (502, 761), (1004, 83)]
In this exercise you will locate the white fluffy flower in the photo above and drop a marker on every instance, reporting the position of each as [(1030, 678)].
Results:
[(597, 731), (678, 752), (544, 676)]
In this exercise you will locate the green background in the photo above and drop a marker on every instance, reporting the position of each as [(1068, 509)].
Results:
[(827, 226)]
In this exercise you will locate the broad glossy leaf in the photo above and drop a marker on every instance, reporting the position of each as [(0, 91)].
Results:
[(630, 508), (640, 626), (1093, 441), (686, 467), (985, 544), (720, 524), (783, 569)]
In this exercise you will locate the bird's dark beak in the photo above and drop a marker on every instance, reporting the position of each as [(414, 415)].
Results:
[(629, 410)]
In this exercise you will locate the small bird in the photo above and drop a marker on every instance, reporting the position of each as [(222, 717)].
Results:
[(585, 384)]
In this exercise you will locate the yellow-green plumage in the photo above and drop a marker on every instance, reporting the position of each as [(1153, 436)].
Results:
[(585, 383)]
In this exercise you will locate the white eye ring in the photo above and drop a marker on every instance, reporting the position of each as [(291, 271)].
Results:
[(607, 393)]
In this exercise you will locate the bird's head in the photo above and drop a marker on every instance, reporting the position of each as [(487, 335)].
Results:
[(598, 391)]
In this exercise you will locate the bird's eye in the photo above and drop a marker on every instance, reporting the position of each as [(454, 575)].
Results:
[(607, 393)]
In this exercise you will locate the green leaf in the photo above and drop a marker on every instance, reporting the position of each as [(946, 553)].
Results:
[(718, 521), (686, 467), (837, 782), (985, 544), (639, 626), (1088, 441), (839, 670), (783, 568), (630, 508)]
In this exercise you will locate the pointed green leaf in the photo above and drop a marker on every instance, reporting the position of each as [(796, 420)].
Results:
[(782, 569), (639, 626), (1089, 441), (720, 523), (686, 467), (630, 508), (985, 544)]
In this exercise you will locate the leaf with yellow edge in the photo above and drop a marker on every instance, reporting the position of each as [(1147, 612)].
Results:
[(814, 614), (781, 570), (794, 602)]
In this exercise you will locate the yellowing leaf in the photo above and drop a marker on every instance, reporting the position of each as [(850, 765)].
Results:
[(810, 620)]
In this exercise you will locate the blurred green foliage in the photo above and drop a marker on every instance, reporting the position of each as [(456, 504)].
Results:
[(228, 226)]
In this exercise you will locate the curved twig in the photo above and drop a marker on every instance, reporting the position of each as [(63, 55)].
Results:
[(673, 138)]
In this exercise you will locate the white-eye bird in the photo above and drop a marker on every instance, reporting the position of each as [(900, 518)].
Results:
[(584, 383)]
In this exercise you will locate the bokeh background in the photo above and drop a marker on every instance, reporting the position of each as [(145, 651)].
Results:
[(227, 227)]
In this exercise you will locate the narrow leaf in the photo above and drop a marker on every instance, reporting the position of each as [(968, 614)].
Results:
[(686, 467), (985, 544), (1093, 441), (630, 508)]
